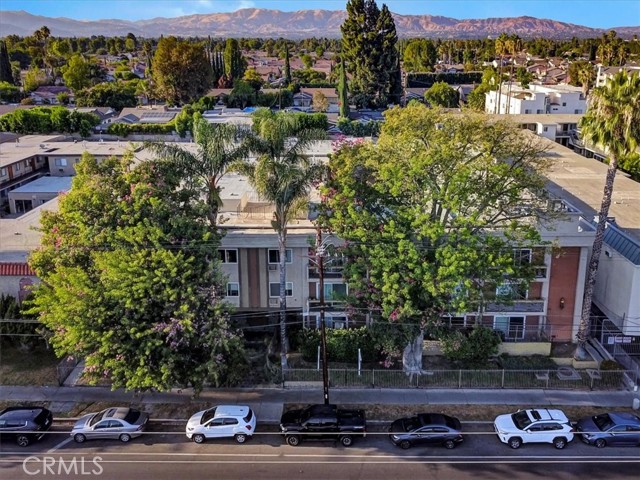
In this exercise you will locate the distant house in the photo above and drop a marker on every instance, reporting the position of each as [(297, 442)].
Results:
[(305, 98), (160, 114), (48, 95)]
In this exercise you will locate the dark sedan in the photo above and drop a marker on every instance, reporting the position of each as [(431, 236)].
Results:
[(426, 429), (615, 428)]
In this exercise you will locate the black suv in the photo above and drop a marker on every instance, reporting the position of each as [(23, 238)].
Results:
[(24, 424)]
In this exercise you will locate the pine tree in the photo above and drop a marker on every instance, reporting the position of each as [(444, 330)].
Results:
[(234, 63), (287, 65), (343, 91), (5, 64), (369, 46)]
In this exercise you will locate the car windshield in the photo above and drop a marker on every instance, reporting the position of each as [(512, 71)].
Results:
[(208, 415), (603, 422), (521, 419), (97, 417), (132, 417), (411, 424), (249, 416)]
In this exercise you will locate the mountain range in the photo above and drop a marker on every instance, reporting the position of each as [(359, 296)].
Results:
[(256, 22)]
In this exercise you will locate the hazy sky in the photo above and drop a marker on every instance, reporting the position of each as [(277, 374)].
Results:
[(591, 13)]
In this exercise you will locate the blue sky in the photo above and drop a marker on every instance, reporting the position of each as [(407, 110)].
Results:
[(591, 13)]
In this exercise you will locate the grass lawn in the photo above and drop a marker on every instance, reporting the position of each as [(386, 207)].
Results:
[(34, 367)]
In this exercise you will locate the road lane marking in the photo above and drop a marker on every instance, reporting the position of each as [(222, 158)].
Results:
[(60, 445)]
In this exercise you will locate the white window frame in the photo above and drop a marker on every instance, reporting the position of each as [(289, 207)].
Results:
[(288, 253), (226, 255), (237, 289), (17, 166), (288, 289), (518, 256), (60, 162)]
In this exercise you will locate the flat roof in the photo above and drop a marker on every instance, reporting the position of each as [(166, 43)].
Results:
[(542, 118), (580, 181), (46, 185)]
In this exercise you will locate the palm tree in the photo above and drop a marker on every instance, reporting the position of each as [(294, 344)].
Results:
[(586, 76), (613, 122), (217, 147), (282, 175)]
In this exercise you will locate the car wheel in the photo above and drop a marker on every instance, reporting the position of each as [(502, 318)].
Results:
[(449, 444), (23, 440), (346, 441), (240, 438), (405, 444), (515, 442), (125, 437), (600, 443), (560, 443), (198, 438), (293, 440), (79, 438)]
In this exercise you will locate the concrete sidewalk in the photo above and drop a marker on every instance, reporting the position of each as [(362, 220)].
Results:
[(268, 402)]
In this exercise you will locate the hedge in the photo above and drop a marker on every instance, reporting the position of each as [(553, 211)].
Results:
[(427, 79)]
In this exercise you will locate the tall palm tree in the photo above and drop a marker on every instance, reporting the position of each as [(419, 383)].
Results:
[(217, 147), (282, 175), (613, 122)]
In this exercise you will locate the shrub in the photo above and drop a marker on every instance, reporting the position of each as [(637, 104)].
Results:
[(473, 348), (534, 362), (342, 344), (610, 365), (124, 129)]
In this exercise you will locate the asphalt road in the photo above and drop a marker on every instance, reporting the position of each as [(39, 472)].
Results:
[(165, 453)]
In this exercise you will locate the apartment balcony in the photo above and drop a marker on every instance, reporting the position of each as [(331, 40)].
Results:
[(530, 305)]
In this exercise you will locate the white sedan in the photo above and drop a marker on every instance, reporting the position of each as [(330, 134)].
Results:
[(536, 425)]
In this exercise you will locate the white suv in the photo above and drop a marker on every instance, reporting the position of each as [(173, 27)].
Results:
[(235, 421), (536, 425)]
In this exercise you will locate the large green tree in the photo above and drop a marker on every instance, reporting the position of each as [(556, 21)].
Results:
[(282, 175), (431, 215), (116, 95), (181, 71), (126, 280), (420, 55), (369, 49), (234, 63), (441, 94), (6, 74), (612, 121), (76, 73), (343, 91)]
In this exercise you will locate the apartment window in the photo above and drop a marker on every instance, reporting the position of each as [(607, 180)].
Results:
[(522, 256), (228, 256), (564, 104), (335, 291), (540, 111), (3, 172), (577, 111), (545, 129), (274, 289), (61, 162), (17, 167), (527, 110), (512, 291), (233, 289), (456, 322), (512, 327), (26, 164), (274, 255)]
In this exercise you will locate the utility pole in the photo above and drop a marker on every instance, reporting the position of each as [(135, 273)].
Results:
[(323, 334)]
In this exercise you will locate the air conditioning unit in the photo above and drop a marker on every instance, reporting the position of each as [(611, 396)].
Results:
[(273, 267), (274, 302)]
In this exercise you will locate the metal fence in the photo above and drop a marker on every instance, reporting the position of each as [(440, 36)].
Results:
[(562, 378)]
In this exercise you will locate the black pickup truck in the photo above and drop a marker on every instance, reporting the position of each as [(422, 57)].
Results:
[(323, 422)]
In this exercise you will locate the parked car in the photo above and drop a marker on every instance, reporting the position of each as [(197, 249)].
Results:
[(25, 425), (426, 429), (323, 422), (119, 423), (237, 421), (535, 425), (615, 428)]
